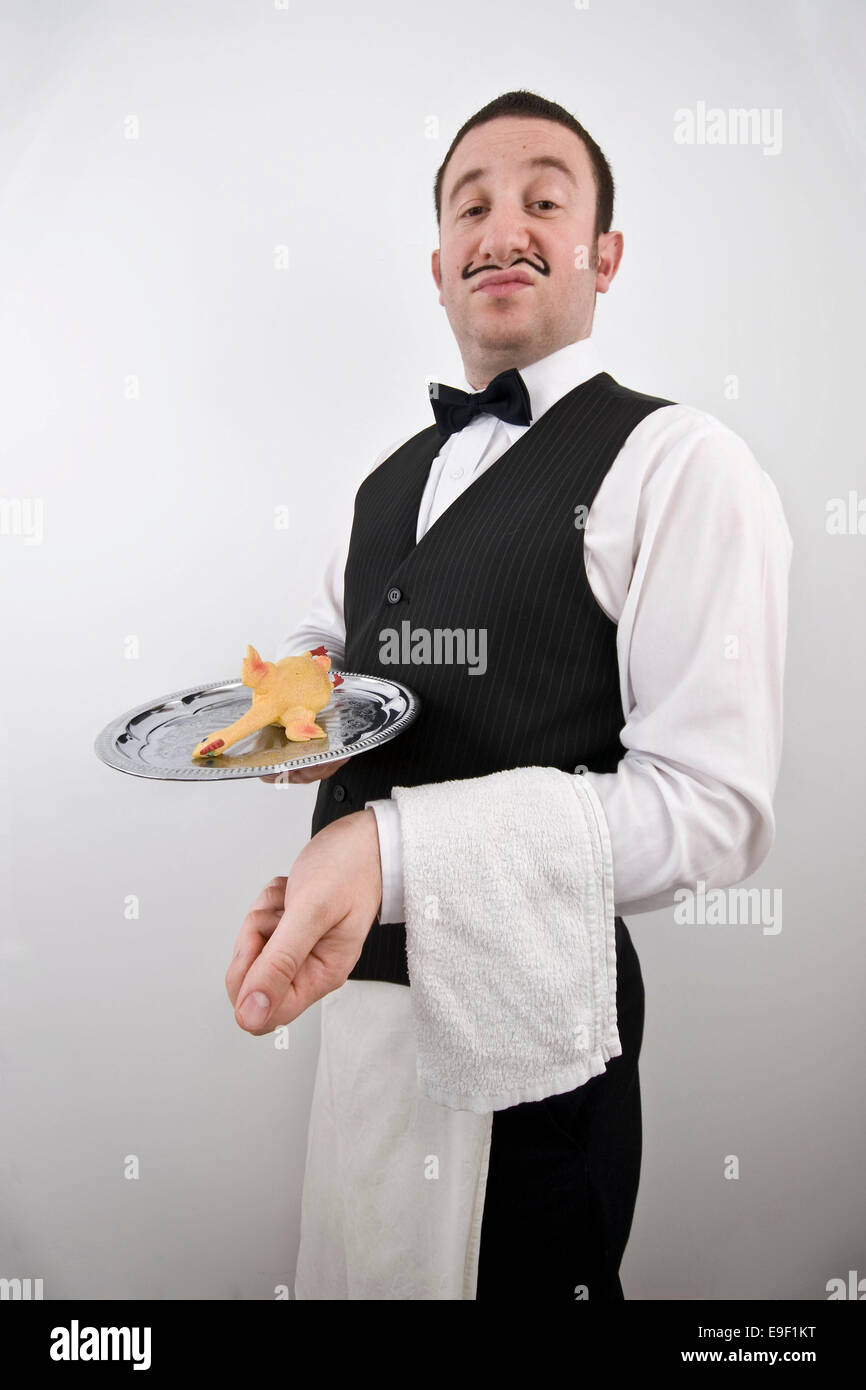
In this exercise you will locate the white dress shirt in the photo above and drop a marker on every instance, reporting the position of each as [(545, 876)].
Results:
[(687, 549)]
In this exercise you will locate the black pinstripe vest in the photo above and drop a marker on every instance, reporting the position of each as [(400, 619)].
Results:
[(505, 557)]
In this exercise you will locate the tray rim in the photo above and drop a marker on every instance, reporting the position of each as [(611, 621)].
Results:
[(104, 743)]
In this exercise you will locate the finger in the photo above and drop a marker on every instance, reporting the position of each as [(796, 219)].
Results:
[(330, 768), (306, 774), (261, 918), (273, 974), (273, 893), (258, 925), (251, 946), (315, 774)]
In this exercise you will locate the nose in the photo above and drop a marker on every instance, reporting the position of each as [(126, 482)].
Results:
[(506, 235)]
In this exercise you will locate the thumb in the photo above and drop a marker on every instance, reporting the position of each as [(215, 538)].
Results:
[(268, 996)]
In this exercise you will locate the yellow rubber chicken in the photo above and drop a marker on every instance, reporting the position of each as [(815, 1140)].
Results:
[(289, 692)]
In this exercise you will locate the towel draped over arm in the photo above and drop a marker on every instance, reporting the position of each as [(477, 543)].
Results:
[(508, 886)]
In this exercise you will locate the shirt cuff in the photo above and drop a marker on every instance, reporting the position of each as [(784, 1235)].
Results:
[(387, 814)]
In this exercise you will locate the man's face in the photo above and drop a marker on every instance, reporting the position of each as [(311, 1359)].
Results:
[(538, 219)]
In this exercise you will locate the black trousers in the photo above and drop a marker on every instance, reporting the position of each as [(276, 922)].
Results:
[(564, 1172)]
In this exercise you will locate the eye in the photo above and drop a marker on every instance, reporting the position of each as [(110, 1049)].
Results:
[(479, 207)]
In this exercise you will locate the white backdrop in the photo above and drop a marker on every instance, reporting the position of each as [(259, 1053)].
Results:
[(170, 377)]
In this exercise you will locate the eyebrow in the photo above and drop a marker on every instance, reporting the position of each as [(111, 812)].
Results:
[(546, 161)]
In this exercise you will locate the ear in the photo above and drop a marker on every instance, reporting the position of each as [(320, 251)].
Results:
[(434, 265), (610, 249)]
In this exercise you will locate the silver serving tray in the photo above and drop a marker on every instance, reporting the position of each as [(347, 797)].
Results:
[(156, 739)]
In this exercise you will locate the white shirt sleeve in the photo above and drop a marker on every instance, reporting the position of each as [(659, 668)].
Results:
[(387, 814), (701, 607), (688, 551)]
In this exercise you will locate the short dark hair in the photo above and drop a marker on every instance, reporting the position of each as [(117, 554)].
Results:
[(524, 103)]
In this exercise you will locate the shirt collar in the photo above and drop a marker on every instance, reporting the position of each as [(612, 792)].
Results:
[(552, 376)]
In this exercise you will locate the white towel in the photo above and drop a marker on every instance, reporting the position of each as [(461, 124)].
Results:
[(508, 891)]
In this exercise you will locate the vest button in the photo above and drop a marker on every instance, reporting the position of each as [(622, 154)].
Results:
[(339, 792), (394, 595)]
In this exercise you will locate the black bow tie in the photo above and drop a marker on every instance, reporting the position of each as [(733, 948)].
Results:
[(505, 396)]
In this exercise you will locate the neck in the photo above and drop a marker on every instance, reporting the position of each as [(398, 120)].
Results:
[(481, 368)]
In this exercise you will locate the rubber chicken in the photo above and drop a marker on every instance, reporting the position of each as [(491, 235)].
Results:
[(289, 692)]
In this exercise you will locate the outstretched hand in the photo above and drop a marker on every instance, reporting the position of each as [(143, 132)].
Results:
[(303, 935)]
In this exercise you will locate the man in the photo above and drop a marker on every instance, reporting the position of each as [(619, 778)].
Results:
[(628, 560)]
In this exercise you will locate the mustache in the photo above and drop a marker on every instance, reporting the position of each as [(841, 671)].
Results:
[(543, 269)]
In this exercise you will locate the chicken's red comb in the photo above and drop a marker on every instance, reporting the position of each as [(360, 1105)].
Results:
[(319, 651)]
